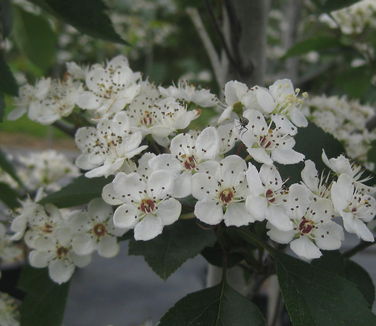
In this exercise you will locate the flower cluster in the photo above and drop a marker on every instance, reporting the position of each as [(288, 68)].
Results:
[(9, 310), (63, 240), (229, 172), (346, 120)]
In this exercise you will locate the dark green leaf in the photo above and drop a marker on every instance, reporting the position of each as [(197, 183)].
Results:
[(79, 192), (88, 16), (5, 18), (8, 84), (45, 300), (214, 256), (355, 82), (35, 38), (177, 243), (331, 5), (8, 196), (8, 167), (311, 141), (316, 297), (216, 306), (2, 107), (316, 43)]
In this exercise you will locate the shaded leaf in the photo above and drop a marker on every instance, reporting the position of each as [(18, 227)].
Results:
[(316, 297), (2, 107), (79, 192), (178, 242), (45, 300), (8, 83), (355, 82), (5, 18), (316, 43), (88, 16), (8, 196), (8, 167), (35, 38), (216, 306), (331, 5)]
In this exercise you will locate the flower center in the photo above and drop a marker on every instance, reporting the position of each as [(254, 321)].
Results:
[(189, 162), (306, 226), (265, 142), (47, 228), (147, 206), (270, 196), (61, 252), (147, 119), (226, 196), (99, 230)]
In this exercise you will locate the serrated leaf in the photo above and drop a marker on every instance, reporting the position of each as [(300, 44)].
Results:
[(8, 83), (45, 300), (316, 297), (8, 196), (178, 242), (332, 5), (79, 192), (7, 166), (216, 306), (35, 38), (316, 43), (88, 16), (311, 141)]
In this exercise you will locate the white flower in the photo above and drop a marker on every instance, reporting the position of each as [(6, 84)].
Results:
[(266, 144), (146, 205), (313, 227), (190, 94), (106, 147), (9, 310), (221, 192), (109, 88), (95, 230), (189, 155), (354, 205), (317, 185), (9, 251), (227, 137), (266, 196)]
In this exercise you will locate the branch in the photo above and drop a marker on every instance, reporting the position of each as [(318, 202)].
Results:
[(65, 128), (361, 246), (208, 45)]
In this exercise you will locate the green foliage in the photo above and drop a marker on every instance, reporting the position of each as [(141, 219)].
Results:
[(311, 141), (88, 16), (2, 107), (178, 242), (316, 43), (216, 306), (5, 18), (45, 300), (355, 82), (7, 166), (8, 196), (35, 38), (331, 5), (79, 192), (316, 297), (8, 84)]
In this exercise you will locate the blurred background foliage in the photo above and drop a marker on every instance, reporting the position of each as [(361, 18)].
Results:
[(306, 42)]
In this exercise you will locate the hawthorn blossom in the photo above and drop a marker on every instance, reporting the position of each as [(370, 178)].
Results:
[(146, 206), (266, 144), (310, 178), (266, 198), (313, 226), (355, 205), (94, 230), (109, 88), (9, 310), (106, 147), (221, 193), (188, 155)]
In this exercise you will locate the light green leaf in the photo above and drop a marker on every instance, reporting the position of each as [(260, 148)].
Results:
[(216, 306), (178, 242), (35, 38)]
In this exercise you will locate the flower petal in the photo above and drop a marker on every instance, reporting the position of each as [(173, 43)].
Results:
[(126, 216), (148, 228), (209, 212), (108, 247), (169, 211), (305, 248), (237, 215), (60, 271)]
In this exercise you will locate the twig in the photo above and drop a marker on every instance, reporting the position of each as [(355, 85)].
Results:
[(206, 41), (65, 128), (361, 246)]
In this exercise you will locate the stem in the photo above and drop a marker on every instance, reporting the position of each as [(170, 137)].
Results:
[(187, 216), (65, 128), (361, 246), (254, 240)]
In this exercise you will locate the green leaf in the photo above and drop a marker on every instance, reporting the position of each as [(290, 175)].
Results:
[(332, 5), (216, 306), (8, 84), (45, 300), (35, 38), (8, 167), (79, 192), (8, 196), (355, 82), (316, 43), (178, 242), (2, 107), (88, 16), (316, 297), (5, 18), (311, 141)]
